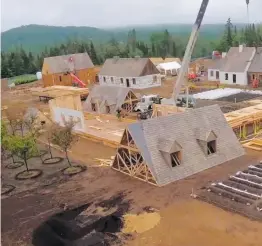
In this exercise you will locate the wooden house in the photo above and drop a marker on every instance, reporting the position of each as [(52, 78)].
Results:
[(56, 70)]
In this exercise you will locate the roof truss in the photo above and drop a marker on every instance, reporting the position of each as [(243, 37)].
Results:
[(129, 160)]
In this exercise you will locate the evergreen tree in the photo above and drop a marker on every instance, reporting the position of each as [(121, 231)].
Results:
[(93, 54)]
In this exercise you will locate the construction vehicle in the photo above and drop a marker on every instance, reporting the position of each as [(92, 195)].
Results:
[(188, 53), (146, 103), (77, 82), (189, 50)]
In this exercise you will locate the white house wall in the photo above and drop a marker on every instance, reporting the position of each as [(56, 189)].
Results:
[(241, 78), (213, 78), (140, 82)]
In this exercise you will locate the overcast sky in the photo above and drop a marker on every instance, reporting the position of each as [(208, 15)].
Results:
[(112, 13)]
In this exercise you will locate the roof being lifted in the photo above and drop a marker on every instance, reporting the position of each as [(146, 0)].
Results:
[(68, 63), (128, 67), (180, 131)]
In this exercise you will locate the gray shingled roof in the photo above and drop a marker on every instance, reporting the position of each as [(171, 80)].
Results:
[(217, 63), (126, 67), (256, 65), (181, 129), (111, 95), (236, 61), (61, 64)]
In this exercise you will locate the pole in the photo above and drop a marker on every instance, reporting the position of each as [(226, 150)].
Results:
[(187, 96)]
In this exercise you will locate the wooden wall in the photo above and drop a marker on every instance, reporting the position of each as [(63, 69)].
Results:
[(4, 85), (88, 76)]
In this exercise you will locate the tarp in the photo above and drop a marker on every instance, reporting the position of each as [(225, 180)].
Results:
[(169, 65)]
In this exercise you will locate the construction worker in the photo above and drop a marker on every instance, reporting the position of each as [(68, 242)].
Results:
[(255, 83), (118, 114)]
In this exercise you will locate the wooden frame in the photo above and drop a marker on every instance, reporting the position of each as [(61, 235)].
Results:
[(130, 102), (129, 160)]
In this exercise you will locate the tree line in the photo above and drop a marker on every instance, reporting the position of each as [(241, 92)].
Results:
[(250, 35), (162, 44)]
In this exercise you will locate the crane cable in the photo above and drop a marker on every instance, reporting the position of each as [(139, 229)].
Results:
[(247, 2)]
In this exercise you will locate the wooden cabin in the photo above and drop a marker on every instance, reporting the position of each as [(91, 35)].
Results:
[(56, 70)]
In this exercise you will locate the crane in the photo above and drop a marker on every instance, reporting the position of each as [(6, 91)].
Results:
[(189, 50)]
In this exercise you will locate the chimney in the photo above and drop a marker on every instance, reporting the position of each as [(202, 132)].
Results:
[(241, 47), (224, 54)]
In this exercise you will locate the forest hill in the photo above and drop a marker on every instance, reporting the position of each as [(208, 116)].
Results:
[(162, 44)]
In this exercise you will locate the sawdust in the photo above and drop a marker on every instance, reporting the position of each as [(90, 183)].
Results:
[(140, 223)]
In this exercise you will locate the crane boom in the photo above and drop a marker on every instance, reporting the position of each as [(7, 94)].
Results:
[(189, 50)]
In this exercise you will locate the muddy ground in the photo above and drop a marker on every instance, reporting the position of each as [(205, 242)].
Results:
[(32, 202), (239, 97), (23, 211)]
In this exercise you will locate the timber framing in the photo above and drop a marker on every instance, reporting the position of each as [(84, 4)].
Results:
[(130, 102), (129, 160), (246, 122)]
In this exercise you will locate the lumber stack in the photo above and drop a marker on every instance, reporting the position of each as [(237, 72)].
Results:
[(244, 116), (255, 144), (58, 91)]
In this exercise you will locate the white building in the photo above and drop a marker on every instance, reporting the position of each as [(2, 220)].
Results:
[(169, 68), (233, 68), (136, 73)]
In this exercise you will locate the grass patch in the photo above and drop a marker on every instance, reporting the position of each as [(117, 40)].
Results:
[(22, 79)]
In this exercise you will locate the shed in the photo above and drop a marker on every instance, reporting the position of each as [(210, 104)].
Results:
[(169, 148), (107, 99)]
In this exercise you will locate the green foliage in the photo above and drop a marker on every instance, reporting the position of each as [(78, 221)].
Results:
[(22, 146), (22, 79), (4, 134), (250, 35), (154, 41)]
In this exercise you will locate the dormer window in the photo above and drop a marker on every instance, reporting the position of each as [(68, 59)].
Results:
[(175, 159), (171, 152), (211, 147), (207, 141)]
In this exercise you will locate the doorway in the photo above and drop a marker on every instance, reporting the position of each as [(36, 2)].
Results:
[(234, 78), (217, 74), (127, 83)]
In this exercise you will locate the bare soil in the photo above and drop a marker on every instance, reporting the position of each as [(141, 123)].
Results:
[(30, 204), (34, 201), (240, 97)]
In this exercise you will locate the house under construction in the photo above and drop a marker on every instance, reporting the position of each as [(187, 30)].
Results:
[(169, 148), (105, 99)]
